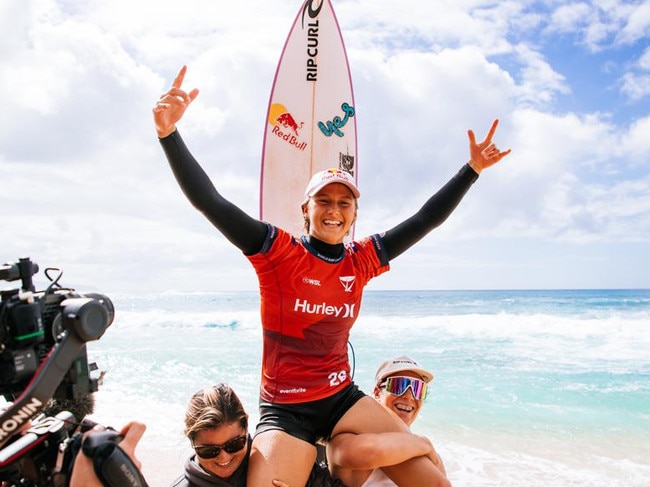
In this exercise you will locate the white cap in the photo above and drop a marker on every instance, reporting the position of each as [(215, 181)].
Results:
[(329, 176), (401, 364)]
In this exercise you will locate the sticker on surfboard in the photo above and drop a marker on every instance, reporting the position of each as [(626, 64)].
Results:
[(311, 123)]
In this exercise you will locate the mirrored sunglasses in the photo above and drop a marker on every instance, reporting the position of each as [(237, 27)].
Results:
[(397, 386), (230, 446)]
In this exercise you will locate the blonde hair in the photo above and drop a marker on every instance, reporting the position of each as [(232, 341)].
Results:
[(212, 407)]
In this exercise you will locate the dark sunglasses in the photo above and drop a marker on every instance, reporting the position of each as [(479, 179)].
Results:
[(231, 446), (397, 386)]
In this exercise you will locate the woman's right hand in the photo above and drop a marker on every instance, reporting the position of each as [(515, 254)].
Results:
[(172, 105), (434, 457)]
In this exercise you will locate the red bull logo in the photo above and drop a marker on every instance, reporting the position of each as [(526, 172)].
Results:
[(285, 126), (288, 122)]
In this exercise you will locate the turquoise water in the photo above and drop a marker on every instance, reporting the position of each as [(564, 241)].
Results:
[(531, 387)]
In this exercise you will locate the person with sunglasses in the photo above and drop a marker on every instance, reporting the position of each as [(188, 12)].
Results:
[(401, 386), (311, 290), (216, 424)]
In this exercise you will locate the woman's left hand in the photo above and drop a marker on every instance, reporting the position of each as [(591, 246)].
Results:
[(484, 154)]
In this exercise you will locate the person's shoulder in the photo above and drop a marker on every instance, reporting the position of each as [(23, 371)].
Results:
[(185, 479)]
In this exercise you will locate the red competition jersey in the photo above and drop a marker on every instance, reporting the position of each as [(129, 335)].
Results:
[(308, 305)]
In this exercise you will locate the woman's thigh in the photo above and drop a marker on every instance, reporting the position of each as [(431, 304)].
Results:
[(276, 455), (368, 416)]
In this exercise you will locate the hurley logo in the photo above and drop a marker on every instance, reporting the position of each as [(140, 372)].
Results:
[(344, 311)]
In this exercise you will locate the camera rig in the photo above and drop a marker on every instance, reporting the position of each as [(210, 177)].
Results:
[(43, 360)]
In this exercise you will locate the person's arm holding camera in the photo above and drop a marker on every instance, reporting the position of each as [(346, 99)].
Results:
[(83, 472)]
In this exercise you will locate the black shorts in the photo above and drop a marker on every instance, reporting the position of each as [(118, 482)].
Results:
[(309, 421)]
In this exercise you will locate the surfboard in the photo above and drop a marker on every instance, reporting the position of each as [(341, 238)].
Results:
[(311, 123)]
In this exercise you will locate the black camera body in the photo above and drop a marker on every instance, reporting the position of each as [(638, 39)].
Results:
[(44, 371), (29, 329)]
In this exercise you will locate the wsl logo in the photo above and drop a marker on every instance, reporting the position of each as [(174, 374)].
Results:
[(324, 309)]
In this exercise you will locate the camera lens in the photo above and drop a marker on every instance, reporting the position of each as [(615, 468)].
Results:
[(88, 317)]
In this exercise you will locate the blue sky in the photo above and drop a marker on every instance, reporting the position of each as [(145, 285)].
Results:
[(86, 186)]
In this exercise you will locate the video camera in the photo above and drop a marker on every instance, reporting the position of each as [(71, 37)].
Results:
[(44, 371)]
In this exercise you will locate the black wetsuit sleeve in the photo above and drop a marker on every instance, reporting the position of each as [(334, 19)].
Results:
[(433, 213), (244, 231)]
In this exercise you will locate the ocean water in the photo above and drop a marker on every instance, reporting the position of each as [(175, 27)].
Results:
[(532, 388)]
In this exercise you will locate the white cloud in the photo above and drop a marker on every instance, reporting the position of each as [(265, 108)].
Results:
[(570, 18), (540, 83), (644, 60), (635, 86), (86, 185), (636, 143), (637, 25), (600, 25)]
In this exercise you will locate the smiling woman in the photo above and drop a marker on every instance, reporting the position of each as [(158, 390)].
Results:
[(331, 203), (217, 426), (400, 386), (311, 289)]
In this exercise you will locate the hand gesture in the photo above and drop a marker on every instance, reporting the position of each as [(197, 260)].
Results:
[(172, 105), (484, 154)]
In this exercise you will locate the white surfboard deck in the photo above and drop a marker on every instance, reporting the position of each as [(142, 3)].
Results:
[(311, 122)]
